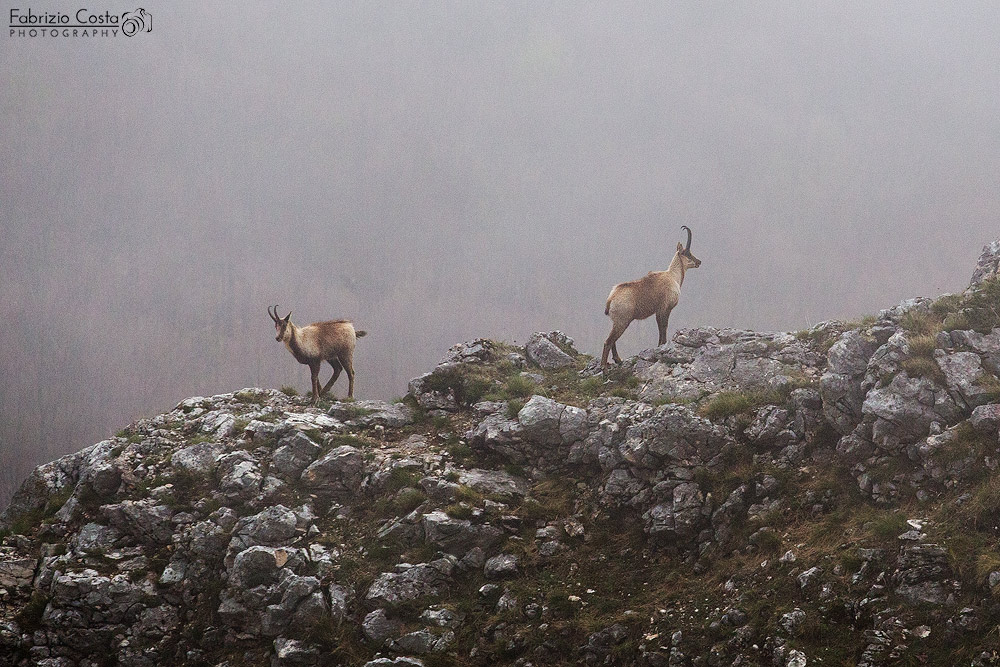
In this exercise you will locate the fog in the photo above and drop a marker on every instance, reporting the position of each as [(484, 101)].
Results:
[(439, 171)]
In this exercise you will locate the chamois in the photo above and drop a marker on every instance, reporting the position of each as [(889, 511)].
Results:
[(656, 293), (331, 341)]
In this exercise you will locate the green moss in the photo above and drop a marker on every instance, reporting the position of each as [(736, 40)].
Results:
[(981, 307), (888, 526), (923, 367), (251, 397), (289, 391), (471, 383), (520, 386), (922, 345), (400, 478), (591, 386), (769, 541), (458, 511), (921, 323), (408, 500), (727, 403)]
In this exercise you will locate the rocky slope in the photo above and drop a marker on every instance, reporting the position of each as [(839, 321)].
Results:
[(731, 498)]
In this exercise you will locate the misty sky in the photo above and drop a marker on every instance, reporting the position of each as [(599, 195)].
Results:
[(444, 171)]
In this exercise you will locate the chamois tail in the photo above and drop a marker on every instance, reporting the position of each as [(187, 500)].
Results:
[(360, 334)]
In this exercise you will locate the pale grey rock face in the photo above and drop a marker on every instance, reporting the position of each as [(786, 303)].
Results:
[(217, 422), (673, 434), (143, 520), (240, 476), (419, 642), (709, 360), (923, 575), (199, 459), (379, 629), (543, 433), (17, 573), (903, 410), (502, 566), (259, 565), (301, 606), (988, 264), (840, 385), (986, 418), (395, 662), (458, 536), (494, 482), (336, 474), (679, 519), (294, 653), (94, 538), (411, 582), (547, 422), (294, 454), (274, 526), (543, 352), (446, 618), (963, 372), (368, 413), (44, 482), (430, 399)]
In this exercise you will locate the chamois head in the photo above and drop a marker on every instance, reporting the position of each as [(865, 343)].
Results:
[(281, 325), (684, 251)]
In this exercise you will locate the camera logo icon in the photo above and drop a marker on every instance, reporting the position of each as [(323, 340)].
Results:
[(136, 21)]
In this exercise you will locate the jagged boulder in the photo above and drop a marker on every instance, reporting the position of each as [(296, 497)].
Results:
[(458, 536), (988, 264), (679, 519), (295, 452), (673, 435), (546, 350), (840, 385), (409, 583), (903, 410), (368, 413), (541, 435), (337, 474), (704, 360)]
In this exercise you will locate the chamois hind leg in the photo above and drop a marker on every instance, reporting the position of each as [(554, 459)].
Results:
[(337, 367), (610, 344), (347, 361), (661, 323), (314, 372)]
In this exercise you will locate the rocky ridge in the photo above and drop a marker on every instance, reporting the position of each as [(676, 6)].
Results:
[(730, 498)]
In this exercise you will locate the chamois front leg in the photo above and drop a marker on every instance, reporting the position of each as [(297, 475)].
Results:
[(661, 323), (314, 372)]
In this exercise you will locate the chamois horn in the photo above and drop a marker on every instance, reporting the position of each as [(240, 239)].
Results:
[(687, 248)]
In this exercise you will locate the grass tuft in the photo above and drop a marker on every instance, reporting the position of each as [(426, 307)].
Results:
[(729, 403)]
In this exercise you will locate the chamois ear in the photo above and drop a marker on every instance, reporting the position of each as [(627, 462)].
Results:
[(680, 247), (288, 317)]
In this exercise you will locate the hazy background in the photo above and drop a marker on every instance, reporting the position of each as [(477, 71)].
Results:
[(442, 171)]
